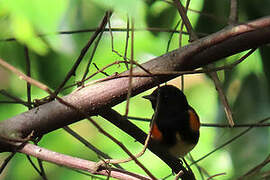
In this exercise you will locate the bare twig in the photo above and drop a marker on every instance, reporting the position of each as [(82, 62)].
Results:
[(33, 165), (83, 52), (92, 55), (182, 12), (180, 43), (103, 72), (213, 125), (127, 37), (152, 29), (160, 73), (171, 36), (28, 73), (6, 161), (24, 77), (219, 174), (131, 68), (88, 144), (229, 141), (256, 169), (16, 99), (178, 175)]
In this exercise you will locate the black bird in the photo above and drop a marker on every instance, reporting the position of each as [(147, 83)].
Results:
[(176, 124)]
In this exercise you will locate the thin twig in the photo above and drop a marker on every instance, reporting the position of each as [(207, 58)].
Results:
[(213, 125), (92, 55), (131, 68), (219, 174), (229, 141), (127, 37), (199, 168), (10, 96), (24, 77), (6, 161), (33, 165), (83, 52), (222, 96), (88, 144), (152, 29), (159, 73), (182, 12), (103, 72), (171, 36), (256, 169), (28, 73), (180, 43)]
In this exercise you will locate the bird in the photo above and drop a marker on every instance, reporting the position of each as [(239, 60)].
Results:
[(175, 124)]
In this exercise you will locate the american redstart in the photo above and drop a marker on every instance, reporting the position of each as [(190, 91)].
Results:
[(175, 123)]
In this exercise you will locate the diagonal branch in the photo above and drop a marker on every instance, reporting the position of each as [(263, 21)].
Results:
[(77, 163)]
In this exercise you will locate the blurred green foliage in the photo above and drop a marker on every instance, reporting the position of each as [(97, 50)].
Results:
[(247, 85)]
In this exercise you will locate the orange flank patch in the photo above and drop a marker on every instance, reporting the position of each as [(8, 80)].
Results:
[(156, 134), (194, 120)]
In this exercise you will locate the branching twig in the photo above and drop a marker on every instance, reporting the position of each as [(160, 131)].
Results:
[(229, 141), (92, 55), (10, 96), (88, 144), (83, 52), (256, 169), (182, 12)]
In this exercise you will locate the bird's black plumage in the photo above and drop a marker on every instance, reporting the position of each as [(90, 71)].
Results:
[(176, 123)]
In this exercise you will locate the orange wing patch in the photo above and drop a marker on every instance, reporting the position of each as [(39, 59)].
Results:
[(156, 134), (194, 120)]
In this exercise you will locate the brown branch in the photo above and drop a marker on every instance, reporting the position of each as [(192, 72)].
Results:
[(77, 163), (182, 11)]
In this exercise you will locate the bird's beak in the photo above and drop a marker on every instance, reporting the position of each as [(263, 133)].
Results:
[(149, 97)]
